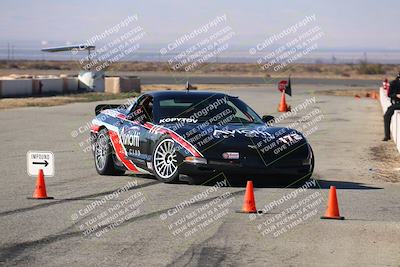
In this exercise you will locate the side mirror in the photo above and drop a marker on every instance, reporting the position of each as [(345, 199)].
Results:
[(268, 119)]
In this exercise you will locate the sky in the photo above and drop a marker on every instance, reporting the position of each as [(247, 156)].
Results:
[(358, 24)]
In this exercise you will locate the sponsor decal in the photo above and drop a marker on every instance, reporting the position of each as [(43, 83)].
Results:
[(223, 133), (184, 120), (130, 136), (131, 139), (290, 138), (246, 132), (230, 155), (133, 152)]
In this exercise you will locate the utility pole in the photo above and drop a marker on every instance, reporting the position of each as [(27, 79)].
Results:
[(8, 51), (12, 52)]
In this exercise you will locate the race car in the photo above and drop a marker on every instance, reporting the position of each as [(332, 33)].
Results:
[(196, 133)]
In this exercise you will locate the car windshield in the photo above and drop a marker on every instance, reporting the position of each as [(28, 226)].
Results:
[(197, 108)]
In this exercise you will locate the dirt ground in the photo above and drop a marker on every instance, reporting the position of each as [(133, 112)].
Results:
[(48, 101), (387, 160)]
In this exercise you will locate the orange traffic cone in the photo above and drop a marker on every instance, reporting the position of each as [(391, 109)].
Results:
[(283, 107), (374, 95), (40, 190), (249, 204), (332, 212)]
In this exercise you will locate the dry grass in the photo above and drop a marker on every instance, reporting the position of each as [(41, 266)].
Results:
[(338, 71), (361, 92), (387, 159), (47, 101), (7, 103)]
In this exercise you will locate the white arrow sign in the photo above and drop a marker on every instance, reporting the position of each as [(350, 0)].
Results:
[(37, 160)]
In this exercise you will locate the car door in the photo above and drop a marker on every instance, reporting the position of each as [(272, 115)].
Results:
[(134, 134)]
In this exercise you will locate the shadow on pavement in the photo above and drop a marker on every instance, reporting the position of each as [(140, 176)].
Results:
[(279, 183), (260, 182), (324, 184)]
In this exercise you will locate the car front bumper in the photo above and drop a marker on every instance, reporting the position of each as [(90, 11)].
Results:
[(287, 168)]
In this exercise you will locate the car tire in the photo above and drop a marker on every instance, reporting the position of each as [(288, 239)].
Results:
[(308, 177), (165, 160), (104, 156)]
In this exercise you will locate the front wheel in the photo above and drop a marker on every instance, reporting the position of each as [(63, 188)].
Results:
[(165, 161)]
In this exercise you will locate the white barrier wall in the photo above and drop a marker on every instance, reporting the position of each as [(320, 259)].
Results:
[(397, 114), (385, 100), (70, 84), (51, 85), (395, 122), (393, 127), (11, 87), (116, 85)]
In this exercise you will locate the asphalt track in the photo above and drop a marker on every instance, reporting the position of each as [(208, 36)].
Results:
[(51, 232)]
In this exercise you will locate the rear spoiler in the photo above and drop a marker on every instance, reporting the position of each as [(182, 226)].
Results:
[(102, 107)]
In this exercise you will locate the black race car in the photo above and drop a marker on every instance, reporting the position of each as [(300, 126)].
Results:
[(200, 134)]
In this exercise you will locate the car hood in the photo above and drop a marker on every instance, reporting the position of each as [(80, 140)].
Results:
[(248, 139)]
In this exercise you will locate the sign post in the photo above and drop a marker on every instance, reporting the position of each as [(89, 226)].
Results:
[(282, 85), (37, 160)]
